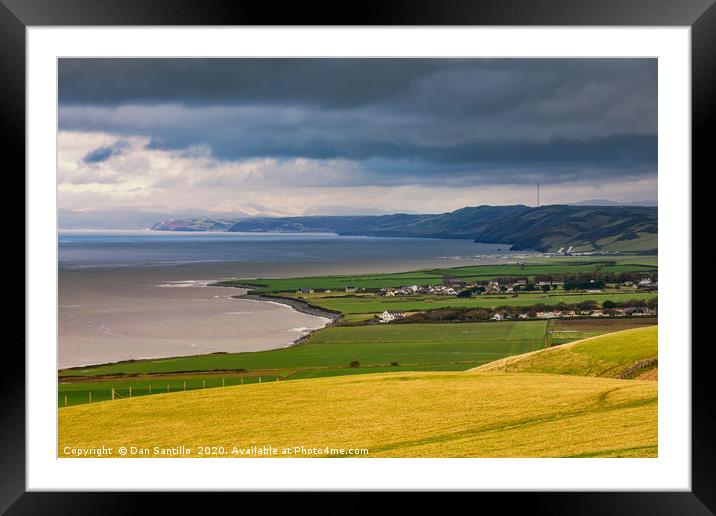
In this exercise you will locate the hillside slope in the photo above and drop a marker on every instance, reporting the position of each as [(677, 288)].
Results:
[(547, 228), (390, 415), (582, 227), (614, 355)]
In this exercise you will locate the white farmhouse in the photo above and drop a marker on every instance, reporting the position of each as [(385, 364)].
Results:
[(549, 315), (390, 316)]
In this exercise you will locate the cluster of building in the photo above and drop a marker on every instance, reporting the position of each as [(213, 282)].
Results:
[(453, 286), (550, 283), (559, 314), (642, 283), (571, 252), (506, 316), (489, 287), (415, 289)]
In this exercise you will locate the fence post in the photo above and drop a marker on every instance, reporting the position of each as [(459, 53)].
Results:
[(113, 393), (259, 379), (167, 387), (150, 389), (223, 382), (65, 400), (130, 391), (242, 380), (90, 397), (184, 384)]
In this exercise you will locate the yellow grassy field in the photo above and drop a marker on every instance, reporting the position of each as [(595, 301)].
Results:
[(605, 356), (450, 414)]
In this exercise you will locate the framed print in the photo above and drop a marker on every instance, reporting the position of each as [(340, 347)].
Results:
[(422, 252)]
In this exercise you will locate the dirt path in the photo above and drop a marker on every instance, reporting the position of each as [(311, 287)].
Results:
[(651, 374)]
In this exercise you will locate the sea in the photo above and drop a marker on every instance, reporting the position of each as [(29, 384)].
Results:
[(136, 294)]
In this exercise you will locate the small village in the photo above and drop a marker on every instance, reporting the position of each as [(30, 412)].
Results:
[(387, 316), (453, 286)]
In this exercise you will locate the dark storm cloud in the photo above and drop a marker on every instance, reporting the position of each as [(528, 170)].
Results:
[(492, 84), (415, 117), (322, 82), (557, 161), (613, 154)]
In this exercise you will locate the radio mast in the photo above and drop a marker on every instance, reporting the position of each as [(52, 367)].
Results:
[(538, 195)]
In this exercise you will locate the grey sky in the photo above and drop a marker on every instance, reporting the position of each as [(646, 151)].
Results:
[(325, 135)]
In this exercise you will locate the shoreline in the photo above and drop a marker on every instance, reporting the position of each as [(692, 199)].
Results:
[(296, 304)]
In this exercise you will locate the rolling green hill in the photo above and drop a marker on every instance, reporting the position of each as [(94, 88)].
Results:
[(614, 355)]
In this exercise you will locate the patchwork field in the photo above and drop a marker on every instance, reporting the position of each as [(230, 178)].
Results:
[(530, 268), (390, 415), (373, 303)]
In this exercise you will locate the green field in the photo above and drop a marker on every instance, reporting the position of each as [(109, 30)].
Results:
[(456, 414), (641, 242), (606, 355), (469, 273), (101, 390), (329, 352), (373, 303), (371, 345), (577, 329), (651, 260)]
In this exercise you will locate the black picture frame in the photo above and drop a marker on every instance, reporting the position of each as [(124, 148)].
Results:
[(17, 15)]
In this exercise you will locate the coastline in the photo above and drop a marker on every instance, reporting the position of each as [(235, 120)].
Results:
[(296, 304)]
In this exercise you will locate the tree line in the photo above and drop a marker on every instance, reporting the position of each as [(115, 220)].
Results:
[(485, 314)]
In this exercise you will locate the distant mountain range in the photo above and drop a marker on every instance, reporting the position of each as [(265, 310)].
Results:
[(547, 228), (123, 219)]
